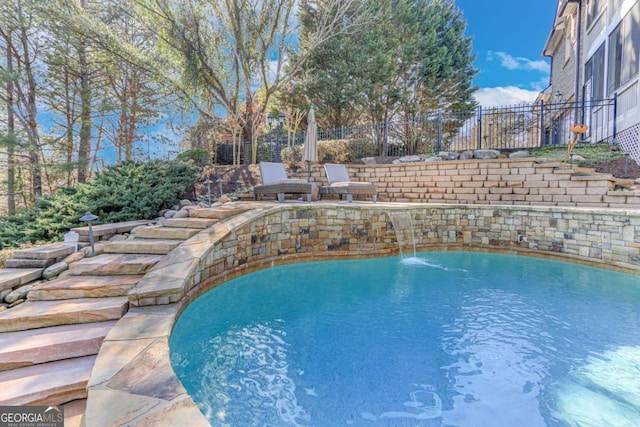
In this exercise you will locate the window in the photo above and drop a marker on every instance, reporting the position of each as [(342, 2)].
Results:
[(614, 5), (593, 11), (570, 37), (624, 48), (594, 74)]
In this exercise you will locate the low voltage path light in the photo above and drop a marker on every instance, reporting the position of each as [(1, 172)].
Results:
[(220, 181), (208, 183), (89, 218)]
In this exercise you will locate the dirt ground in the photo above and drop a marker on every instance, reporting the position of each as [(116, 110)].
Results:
[(620, 168)]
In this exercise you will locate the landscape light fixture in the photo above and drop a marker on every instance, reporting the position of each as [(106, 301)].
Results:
[(89, 218), (208, 183), (220, 181)]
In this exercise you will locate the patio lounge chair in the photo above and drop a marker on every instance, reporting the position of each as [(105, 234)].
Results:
[(339, 183), (275, 181)]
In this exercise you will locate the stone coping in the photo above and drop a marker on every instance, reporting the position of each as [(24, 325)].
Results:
[(133, 381)]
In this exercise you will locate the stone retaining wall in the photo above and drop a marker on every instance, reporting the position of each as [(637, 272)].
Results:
[(528, 181), (292, 233)]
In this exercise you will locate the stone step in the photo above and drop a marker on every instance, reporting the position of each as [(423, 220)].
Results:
[(71, 287), (28, 263), (196, 223), (141, 246), (53, 383), (114, 264), (220, 212), (52, 251), (12, 277), (32, 347), (74, 413), (110, 229), (165, 233), (41, 314)]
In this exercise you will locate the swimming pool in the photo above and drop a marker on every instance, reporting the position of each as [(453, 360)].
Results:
[(448, 338)]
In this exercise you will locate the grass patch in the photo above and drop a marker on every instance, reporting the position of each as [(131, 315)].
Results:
[(592, 153)]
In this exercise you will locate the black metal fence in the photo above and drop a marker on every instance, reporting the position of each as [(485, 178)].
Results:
[(502, 128)]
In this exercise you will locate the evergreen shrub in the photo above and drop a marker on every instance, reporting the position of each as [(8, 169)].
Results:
[(124, 192)]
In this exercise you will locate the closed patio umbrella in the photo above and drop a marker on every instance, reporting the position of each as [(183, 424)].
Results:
[(310, 150)]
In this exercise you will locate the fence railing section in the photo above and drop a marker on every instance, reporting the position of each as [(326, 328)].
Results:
[(501, 128)]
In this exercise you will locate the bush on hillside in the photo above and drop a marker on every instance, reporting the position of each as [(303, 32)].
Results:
[(199, 156), (124, 192)]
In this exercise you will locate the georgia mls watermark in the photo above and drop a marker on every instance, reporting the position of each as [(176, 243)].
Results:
[(31, 416)]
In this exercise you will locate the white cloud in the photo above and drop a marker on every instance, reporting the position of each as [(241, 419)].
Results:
[(502, 96), (519, 63)]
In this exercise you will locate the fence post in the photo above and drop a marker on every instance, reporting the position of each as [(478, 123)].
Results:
[(386, 136), (479, 127), (615, 116), (439, 130), (541, 124)]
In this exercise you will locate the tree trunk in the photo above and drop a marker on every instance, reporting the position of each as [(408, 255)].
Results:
[(11, 165), (32, 122), (69, 149), (84, 147)]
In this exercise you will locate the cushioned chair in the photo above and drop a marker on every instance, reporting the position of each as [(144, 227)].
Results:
[(340, 184), (275, 181)]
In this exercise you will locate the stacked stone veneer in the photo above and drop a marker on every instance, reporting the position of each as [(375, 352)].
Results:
[(529, 181), (284, 233), (271, 234)]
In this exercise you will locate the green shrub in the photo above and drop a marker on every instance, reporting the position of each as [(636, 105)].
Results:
[(199, 156), (124, 192)]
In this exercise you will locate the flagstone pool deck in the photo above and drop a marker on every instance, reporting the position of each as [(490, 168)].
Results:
[(132, 381)]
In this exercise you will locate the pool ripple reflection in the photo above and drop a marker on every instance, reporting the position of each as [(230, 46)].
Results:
[(500, 352), (250, 365)]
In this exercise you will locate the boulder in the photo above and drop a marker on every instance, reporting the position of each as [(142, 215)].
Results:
[(183, 213), (185, 202), (466, 155), (519, 154), (117, 238), (64, 274), (577, 158), (76, 256), (18, 293), (170, 213), (5, 293), (224, 199), (17, 302), (486, 154), (54, 270), (369, 160), (448, 155), (407, 159), (99, 247), (433, 159)]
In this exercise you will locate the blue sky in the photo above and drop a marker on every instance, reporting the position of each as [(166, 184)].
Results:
[(508, 38)]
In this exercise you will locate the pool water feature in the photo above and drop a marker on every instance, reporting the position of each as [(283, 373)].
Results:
[(401, 222), (447, 338)]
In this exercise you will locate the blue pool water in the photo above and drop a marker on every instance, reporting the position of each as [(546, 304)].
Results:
[(445, 339)]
